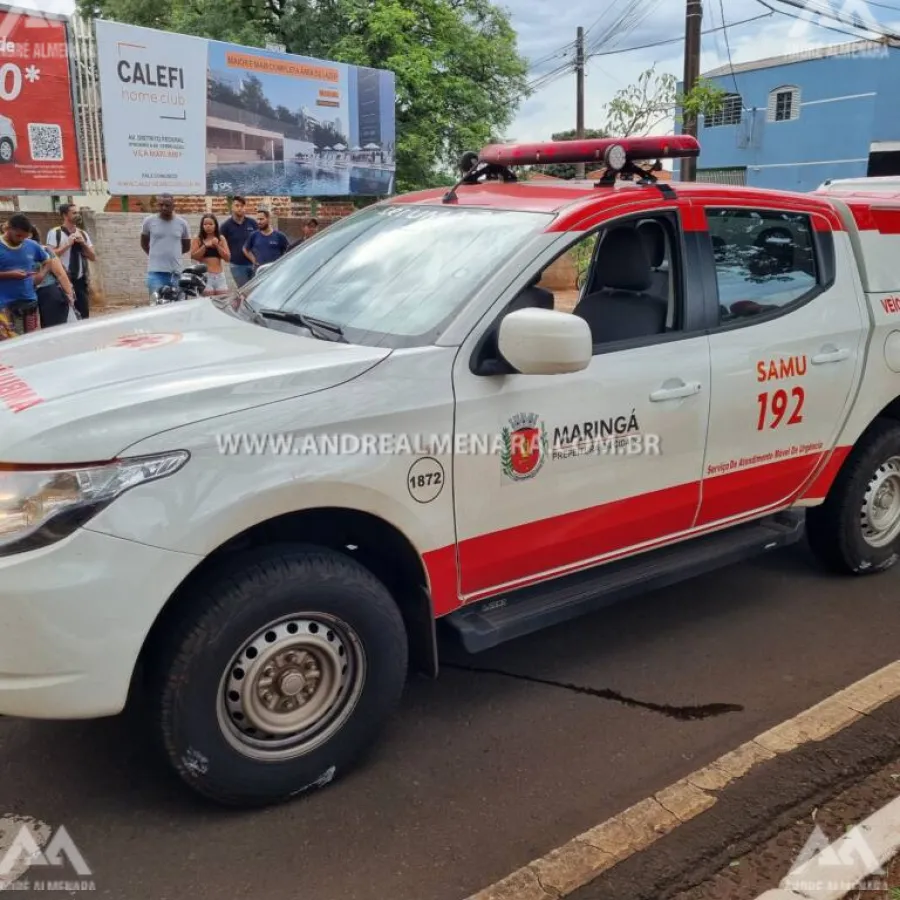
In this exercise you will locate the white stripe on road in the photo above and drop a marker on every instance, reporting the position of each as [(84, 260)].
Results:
[(570, 867)]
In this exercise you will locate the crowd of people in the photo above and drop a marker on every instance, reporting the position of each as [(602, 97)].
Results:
[(241, 242), (44, 283)]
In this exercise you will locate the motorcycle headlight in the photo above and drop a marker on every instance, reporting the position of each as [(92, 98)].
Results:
[(39, 506)]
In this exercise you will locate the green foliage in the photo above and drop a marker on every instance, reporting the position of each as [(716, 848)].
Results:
[(459, 75), (582, 254), (654, 99)]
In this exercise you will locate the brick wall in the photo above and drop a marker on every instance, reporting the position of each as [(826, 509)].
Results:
[(118, 276), (120, 271), (562, 275), (43, 221), (121, 268)]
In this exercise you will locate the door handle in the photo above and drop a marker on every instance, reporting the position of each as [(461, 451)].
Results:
[(676, 392), (829, 354)]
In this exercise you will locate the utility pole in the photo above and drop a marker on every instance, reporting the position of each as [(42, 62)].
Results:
[(579, 86), (692, 36)]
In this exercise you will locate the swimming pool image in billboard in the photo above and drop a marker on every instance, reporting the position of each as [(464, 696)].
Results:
[(279, 124)]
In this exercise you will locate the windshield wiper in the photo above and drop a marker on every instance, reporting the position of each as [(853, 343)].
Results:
[(327, 331), (244, 304)]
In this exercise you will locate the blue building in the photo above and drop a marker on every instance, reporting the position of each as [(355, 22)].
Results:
[(792, 122)]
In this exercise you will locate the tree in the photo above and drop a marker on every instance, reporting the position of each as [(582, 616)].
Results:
[(654, 99), (459, 77), (566, 170)]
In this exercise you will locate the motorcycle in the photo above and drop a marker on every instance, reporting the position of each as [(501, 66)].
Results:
[(191, 284)]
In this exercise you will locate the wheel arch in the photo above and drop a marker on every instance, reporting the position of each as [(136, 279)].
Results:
[(840, 457), (372, 541)]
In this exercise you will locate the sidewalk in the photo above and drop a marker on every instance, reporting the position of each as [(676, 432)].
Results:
[(866, 856), (848, 848)]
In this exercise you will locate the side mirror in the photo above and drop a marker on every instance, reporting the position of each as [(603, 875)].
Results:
[(545, 342)]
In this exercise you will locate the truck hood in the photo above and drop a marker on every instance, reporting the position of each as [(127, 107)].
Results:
[(85, 392)]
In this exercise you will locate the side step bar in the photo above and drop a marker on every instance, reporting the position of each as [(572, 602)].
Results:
[(524, 611)]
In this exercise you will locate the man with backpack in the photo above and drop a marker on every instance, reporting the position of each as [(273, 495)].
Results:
[(74, 248)]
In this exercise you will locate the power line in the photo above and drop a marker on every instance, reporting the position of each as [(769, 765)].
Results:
[(680, 40), (627, 21), (717, 43), (549, 77), (811, 6), (737, 90), (560, 52), (852, 34)]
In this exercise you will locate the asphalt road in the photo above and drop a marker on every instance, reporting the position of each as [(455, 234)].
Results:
[(481, 772)]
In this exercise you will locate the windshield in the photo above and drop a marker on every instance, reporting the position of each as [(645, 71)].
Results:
[(393, 275)]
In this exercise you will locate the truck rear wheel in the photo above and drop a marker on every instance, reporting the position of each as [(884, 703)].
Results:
[(277, 675), (857, 530)]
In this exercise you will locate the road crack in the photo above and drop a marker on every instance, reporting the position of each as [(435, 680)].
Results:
[(682, 713)]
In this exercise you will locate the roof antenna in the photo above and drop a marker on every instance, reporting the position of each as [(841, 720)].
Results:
[(467, 163), (472, 168)]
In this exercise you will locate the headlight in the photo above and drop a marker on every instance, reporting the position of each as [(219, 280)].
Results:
[(39, 506)]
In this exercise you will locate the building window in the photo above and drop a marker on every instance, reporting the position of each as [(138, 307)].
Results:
[(729, 114), (784, 104)]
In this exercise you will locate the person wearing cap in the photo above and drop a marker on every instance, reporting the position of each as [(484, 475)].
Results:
[(310, 230)]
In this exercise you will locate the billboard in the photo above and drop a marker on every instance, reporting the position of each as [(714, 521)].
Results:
[(38, 138), (192, 116)]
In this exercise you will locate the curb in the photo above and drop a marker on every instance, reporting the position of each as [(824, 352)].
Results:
[(587, 856), (826, 875)]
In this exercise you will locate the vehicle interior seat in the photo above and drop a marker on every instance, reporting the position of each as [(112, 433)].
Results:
[(619, 303), (654, 236)]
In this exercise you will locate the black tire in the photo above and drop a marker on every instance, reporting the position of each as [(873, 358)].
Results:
[(7, 151), (835, 530), (188, 690)]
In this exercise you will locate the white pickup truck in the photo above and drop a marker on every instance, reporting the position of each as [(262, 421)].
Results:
[(250, 514)]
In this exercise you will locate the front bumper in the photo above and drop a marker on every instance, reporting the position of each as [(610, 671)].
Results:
[(73, 618)]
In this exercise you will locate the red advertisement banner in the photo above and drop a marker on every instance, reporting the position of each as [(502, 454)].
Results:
[(38, 144)]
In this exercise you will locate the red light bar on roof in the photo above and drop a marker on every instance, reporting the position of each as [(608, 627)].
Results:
[(615, 152)]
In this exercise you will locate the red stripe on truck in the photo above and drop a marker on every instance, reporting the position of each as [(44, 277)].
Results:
[(546, 548), (821, 485), (884, 220), (772, 484)]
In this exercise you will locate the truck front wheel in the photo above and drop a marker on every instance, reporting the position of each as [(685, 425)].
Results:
[(857, 529), (277, 675)]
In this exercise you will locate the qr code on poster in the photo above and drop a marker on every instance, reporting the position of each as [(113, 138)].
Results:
[(46, 142)]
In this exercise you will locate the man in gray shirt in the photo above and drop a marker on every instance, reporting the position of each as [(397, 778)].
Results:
[(165, 238)]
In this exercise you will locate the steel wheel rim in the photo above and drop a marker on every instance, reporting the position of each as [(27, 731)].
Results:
[(291, 686), (880, 514), (6, 151)]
